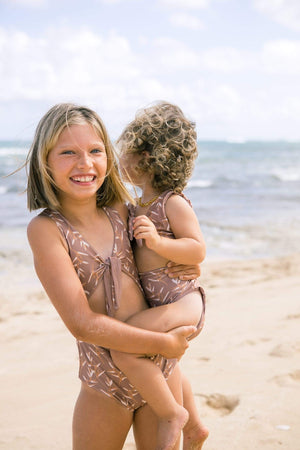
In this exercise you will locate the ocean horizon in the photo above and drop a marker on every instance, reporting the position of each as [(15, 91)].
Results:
[(246, 195)]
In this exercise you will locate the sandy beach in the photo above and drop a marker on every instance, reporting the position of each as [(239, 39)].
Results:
[(244, 367)]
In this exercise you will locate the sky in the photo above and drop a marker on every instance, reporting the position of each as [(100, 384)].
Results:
[(233, 66)]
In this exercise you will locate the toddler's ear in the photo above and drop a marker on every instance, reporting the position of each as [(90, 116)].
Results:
[(145, 153)]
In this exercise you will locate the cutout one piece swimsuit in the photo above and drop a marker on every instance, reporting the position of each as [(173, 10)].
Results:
[(96, 367)]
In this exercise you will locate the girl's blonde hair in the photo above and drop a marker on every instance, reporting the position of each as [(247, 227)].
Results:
[(41, 190), (166, 142)]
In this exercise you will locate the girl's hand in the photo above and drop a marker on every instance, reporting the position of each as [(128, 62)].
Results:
[(179, 341), (183, 272), (143, 228)]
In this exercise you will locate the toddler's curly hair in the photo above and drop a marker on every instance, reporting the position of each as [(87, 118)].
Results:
[(167, 143)]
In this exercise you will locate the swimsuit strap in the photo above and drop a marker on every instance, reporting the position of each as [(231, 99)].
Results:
[(89, 265), (131, 215)]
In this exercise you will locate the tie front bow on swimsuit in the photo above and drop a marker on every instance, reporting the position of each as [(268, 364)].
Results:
[(112, 283)]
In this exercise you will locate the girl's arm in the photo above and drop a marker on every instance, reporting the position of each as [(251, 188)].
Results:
[(183, 272), (188, 247), (57, 274)]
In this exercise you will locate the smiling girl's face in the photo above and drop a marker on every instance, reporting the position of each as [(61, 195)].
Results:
[(78, 163)]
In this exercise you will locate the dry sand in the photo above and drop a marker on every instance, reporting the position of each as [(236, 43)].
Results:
[(244, 368)]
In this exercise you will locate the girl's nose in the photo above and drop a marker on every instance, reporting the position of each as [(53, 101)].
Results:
[(84, 161)]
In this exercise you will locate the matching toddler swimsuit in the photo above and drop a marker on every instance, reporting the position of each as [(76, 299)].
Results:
[(96, 367), (158, 287)]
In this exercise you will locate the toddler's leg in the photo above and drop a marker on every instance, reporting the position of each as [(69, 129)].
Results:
[(194, 433), (186, 311), (145, 421), (148, 378)]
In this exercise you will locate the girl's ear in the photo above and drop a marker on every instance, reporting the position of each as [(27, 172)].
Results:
[(145, 153)]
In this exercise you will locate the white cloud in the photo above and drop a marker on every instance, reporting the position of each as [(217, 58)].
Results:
[(219, 102), (210, 104), (281, 56), (285, 12), (185, 4), (171, 55), (278, 57), (186, 21), (227, 91), (63, 63), (227, 59)]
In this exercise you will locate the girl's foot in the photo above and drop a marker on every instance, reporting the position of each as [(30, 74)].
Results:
[(169, 429), (194, 436)]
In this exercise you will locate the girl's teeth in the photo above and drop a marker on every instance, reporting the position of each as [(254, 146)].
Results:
[(83, 179)]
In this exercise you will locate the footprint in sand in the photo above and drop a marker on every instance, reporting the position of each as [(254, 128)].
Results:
[(285, 349), (293, 316), (203, 358), (288, 379), (225, 404), (255, 341)]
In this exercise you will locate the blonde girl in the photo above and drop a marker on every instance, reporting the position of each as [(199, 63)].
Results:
[(83, 259)]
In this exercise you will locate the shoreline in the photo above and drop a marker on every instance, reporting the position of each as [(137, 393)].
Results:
[(244, 367)]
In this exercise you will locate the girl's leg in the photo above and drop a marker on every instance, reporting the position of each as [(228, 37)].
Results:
[(145, 424), (99, 422), (194, 433), (148, 379), (145, 428)]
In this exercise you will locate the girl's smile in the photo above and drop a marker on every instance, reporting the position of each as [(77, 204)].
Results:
[(78, 162), (87, 179)]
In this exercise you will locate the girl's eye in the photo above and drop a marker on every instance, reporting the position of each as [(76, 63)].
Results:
[(98, 150), (67, 152)]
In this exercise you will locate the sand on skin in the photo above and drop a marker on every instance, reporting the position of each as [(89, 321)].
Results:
[(244, 367)]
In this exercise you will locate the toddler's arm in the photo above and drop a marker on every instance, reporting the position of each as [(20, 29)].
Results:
[(188, 247)]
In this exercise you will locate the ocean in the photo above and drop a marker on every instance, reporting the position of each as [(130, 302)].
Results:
[(246, 196)]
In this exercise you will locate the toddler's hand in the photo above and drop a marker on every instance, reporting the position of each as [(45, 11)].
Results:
[(143, 228)]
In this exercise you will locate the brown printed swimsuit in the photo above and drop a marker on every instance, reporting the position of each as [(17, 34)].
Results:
[(158, 287), (96, 367)]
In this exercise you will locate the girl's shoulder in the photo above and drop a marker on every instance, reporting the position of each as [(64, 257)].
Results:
[(42, 228), (40, 221), (178, 205), (48, 220), (174, 199)]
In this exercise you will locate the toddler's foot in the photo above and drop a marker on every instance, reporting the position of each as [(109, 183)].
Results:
[(169, 429), (194, 436)]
